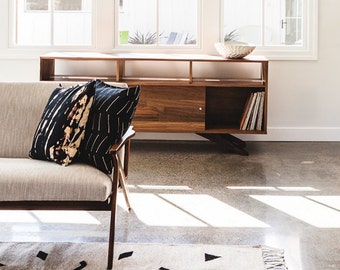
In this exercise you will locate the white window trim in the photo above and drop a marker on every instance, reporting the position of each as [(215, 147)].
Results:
[(309, 51), (105, 39)]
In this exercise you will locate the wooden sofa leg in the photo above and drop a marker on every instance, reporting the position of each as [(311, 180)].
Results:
[(119, 174), (111, 238), (111, 246), (113, 216), (127, 157), (122, 181)]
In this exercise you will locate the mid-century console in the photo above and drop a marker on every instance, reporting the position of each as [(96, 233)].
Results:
[(214, 107)]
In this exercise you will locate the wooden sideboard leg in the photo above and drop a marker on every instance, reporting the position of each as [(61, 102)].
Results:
[(47, 69), (235, 140), (227, 142)]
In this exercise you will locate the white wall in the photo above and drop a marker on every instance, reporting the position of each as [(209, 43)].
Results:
[(304, 96), (304, 99)]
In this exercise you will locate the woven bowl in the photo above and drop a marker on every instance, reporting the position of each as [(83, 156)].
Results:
[(234, 49)]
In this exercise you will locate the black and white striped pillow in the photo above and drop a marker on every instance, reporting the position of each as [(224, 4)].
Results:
[(110, 117), (62, 125)]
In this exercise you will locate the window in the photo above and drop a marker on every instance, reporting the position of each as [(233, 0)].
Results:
[(158, 22), (53, 22), (281, 29), (279, 26)]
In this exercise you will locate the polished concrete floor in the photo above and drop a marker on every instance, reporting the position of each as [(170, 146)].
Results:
[(284, 195)]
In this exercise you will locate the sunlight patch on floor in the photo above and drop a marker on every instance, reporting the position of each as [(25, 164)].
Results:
[(154, 211), (63, 217), (159, 187), (252, 188), (17, 216), (298, 188), (213, 211), (70, 217), (188, 210), (332, 201), (302, 208), (264, 188)]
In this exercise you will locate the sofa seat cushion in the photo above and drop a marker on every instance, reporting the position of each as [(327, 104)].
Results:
[(24, 179)]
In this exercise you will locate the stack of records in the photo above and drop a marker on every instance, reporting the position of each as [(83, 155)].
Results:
[(252, 116)]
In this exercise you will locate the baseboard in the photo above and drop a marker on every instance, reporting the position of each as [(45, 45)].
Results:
[(273, 134)]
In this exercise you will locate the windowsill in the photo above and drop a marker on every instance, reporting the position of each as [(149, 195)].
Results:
[(34, 53)]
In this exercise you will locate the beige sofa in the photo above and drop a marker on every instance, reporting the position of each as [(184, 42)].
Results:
[(34, 184)]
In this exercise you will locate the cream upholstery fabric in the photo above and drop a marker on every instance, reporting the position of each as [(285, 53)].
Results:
[(29, 179), (21, 105), (21, 178)]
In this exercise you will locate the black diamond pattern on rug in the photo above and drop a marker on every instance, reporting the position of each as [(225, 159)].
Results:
[(82, 265), (125, 255), (42, 255), (210, 257)]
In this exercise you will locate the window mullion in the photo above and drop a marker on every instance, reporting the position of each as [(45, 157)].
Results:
[(263, 22), (52, 21), (16, 22), (157, 23)]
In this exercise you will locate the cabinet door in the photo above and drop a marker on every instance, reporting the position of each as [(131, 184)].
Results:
[(166, 108)]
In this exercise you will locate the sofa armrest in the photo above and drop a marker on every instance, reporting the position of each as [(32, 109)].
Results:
[(120, 156), (127, 136), (120, 153)]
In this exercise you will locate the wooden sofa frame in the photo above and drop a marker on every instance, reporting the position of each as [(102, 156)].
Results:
[(119, 177)]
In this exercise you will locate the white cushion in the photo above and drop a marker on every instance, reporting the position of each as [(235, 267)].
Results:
[(28, 179)]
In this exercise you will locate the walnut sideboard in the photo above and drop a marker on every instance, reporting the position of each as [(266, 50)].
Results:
[(214, 107)]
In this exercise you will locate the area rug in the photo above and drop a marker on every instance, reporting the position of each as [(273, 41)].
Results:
[(64, 256)]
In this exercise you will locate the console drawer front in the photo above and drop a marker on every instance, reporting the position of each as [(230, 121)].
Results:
[(164, 108)]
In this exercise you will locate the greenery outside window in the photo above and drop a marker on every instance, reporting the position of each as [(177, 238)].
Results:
[(158, 22)]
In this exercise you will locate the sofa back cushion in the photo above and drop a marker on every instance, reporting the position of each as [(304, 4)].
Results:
[(21, 107)]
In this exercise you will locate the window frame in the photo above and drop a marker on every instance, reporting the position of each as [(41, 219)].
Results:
[(210, 30), (13, 31), (309, 49)]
